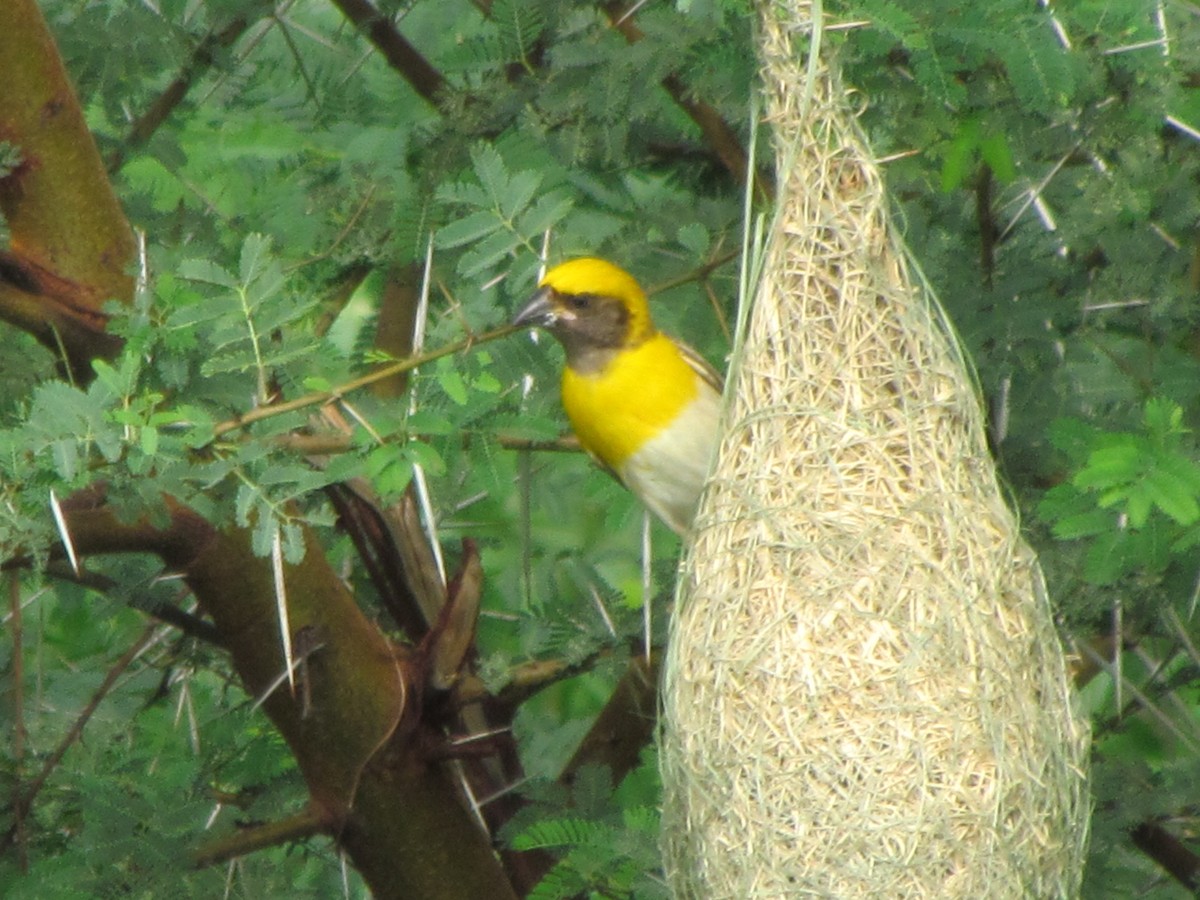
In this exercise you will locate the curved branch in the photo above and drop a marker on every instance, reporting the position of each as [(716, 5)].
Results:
[(395, 813)]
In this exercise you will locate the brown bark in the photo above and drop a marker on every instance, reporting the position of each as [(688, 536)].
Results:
[(395, 47), (358, 724), (1169, 852), (70, 243)]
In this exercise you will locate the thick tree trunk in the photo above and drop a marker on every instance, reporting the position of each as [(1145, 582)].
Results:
[(71, 246), (355, 723)]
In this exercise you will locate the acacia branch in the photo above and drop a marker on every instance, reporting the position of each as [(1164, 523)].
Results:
[(23, 804), (305, 824), (361, 730), (18, 702), (395, 47), (624, 726), (700, 273), (525, 680), (320, 398), (200, 61), (717, 132), (1169, 852), (332, 442), (70, 242), (391, 370)]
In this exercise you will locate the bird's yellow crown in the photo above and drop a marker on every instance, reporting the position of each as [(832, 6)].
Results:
[(589, 275)]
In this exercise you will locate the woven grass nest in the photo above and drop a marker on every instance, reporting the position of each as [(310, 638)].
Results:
[(865, 694)]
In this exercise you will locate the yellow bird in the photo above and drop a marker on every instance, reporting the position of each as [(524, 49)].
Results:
[(645, 406)]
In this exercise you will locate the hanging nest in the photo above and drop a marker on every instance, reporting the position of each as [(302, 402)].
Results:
[(865, 694)]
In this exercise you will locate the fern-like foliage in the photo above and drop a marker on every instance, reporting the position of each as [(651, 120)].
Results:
[(608, 859)]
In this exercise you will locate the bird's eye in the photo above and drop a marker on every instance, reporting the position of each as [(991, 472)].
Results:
[(579, 301)]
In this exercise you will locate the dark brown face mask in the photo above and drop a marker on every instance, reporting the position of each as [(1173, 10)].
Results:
[(591, 327)]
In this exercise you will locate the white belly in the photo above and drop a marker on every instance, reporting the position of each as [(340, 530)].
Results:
[(668, 472)]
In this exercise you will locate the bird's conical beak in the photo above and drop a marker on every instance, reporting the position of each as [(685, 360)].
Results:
[(538, 310)]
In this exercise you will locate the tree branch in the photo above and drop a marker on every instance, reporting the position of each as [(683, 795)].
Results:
[(320, 398), (151, 633), (717, 132), (305, 824), (359, 734), (396, 49), (70, 242), (200, 61), (624, 726), (1169, 852)]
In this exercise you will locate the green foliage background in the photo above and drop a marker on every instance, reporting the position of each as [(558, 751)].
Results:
[(301, 155)]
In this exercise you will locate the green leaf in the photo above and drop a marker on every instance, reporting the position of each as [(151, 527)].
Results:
[(424, 455), (255, 258), (1138, 505), (147, 175), (1171, 496), (935, 74), (547, 211), (207, 272), (450, 380), (520, 23), (490, 170), (1036, 66), (1096, 521), (995, 151), (1074, 438), (518, 192), (956, 164), (1181, 469), (1111, 466), (487, 253), (1163, 418), (891, 19), (467, 229), (244, 502), (148, 439), (563, 832), (1105, 560), (66, 458)]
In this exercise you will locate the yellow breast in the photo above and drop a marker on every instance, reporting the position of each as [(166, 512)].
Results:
[(615, 411)]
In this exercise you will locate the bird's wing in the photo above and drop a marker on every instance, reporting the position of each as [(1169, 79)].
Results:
[(701, 367)]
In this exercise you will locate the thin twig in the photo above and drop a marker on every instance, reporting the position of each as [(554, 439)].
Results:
[(1142, 699), (148, 637), (700, 273), (18, 702), (298, 58), (320, 398), (199, 62), (341, 236)]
